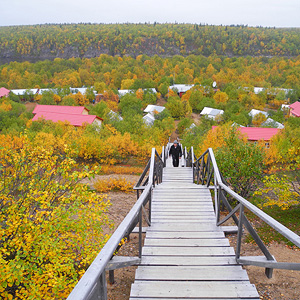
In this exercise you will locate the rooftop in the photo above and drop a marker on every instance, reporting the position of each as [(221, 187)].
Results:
[(73, 110), (73, 119), (295, 109)]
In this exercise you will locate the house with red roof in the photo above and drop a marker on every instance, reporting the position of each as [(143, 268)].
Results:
[(295, 109), (255, 134), (75, 115), (60, 109), (4, 92)]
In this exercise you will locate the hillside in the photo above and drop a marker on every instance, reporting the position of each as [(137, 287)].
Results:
[(41, 42)]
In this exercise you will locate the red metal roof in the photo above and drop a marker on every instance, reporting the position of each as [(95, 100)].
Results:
[(295, 109), (4, 92), (258, 133), (75, 120), (71, 110)]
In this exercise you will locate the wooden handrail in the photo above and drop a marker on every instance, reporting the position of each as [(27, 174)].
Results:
[(211, 171), (92, 280)]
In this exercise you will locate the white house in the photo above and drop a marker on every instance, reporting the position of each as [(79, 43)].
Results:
[(211, 113), (124, 92), (255, 112), (273, 123), (114, 116), (149, 119), (153, 108)]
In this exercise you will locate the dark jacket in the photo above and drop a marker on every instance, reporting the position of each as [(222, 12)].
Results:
[(175, 151)]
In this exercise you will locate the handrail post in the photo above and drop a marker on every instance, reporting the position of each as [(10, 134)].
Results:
[(240, 233), (192, 162), (150, 205), (140, 231)]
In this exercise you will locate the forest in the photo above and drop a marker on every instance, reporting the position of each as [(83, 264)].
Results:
[(40, 42), (51, 225)]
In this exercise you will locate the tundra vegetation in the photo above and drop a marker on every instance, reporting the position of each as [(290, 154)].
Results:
[(52, 225)]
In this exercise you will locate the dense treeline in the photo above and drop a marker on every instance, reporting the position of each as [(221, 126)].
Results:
[(39, 42), (109, 72)]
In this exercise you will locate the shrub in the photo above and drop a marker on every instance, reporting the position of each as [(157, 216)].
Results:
[(51, 227), (115, 184)]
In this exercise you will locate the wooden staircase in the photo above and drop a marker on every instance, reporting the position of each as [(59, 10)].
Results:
[(185, 255)]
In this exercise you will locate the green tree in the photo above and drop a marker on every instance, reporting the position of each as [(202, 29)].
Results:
[(130, 105), (241, 163)]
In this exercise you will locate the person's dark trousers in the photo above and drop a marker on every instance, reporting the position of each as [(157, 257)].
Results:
[(175, 161)]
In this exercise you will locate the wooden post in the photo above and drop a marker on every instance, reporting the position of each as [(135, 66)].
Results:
[(111, 276), (240, 232), (102, 287), (140, 232)]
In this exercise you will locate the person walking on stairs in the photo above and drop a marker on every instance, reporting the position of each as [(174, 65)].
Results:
[(176, 153)]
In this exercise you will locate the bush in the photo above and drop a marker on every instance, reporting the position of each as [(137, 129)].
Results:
[(51, 226), (115, 184)]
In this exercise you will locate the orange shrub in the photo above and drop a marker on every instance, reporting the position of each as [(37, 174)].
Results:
[(113, 184)]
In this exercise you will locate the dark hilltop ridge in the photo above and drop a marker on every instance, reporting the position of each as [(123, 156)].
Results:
[(50, 41)]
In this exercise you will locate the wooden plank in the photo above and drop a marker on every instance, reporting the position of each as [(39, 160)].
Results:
[(229, 229), (187, 242), (188, 261), (185, 235), (182, 199), (179, 209), (137, 230), (188, 251), (190, 290), (202, 220), (173, 227), (118, 262), (181, 204), (183, 218), (184, 213), (134, 298), (205, 273)]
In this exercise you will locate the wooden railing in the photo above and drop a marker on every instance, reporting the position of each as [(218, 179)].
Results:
[(205, 171), (92, 285)]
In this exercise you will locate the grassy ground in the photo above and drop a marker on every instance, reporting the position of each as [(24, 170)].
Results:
[(289, 218)]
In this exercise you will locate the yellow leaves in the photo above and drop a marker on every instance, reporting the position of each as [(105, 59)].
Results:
[(139, 93), (259, 119), (116, 184), (47, 219), (5, 106), (221, 97), (278, 191), (126, 84)]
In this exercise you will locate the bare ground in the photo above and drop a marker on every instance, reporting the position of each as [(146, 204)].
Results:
[(285, 285)]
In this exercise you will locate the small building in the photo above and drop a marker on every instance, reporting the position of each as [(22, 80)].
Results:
[(153, 108), (75, 115), (115, 116), (4, 92), (71, 110), (272, 123), (181, 88), (124, 92), (211, 113), (75, 120), (255, 134), (149, 119), (255, 112), (295, 109)]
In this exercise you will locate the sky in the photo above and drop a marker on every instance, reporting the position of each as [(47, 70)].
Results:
[(266, 13)]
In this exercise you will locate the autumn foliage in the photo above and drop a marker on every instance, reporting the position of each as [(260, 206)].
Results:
[(51, 226)]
